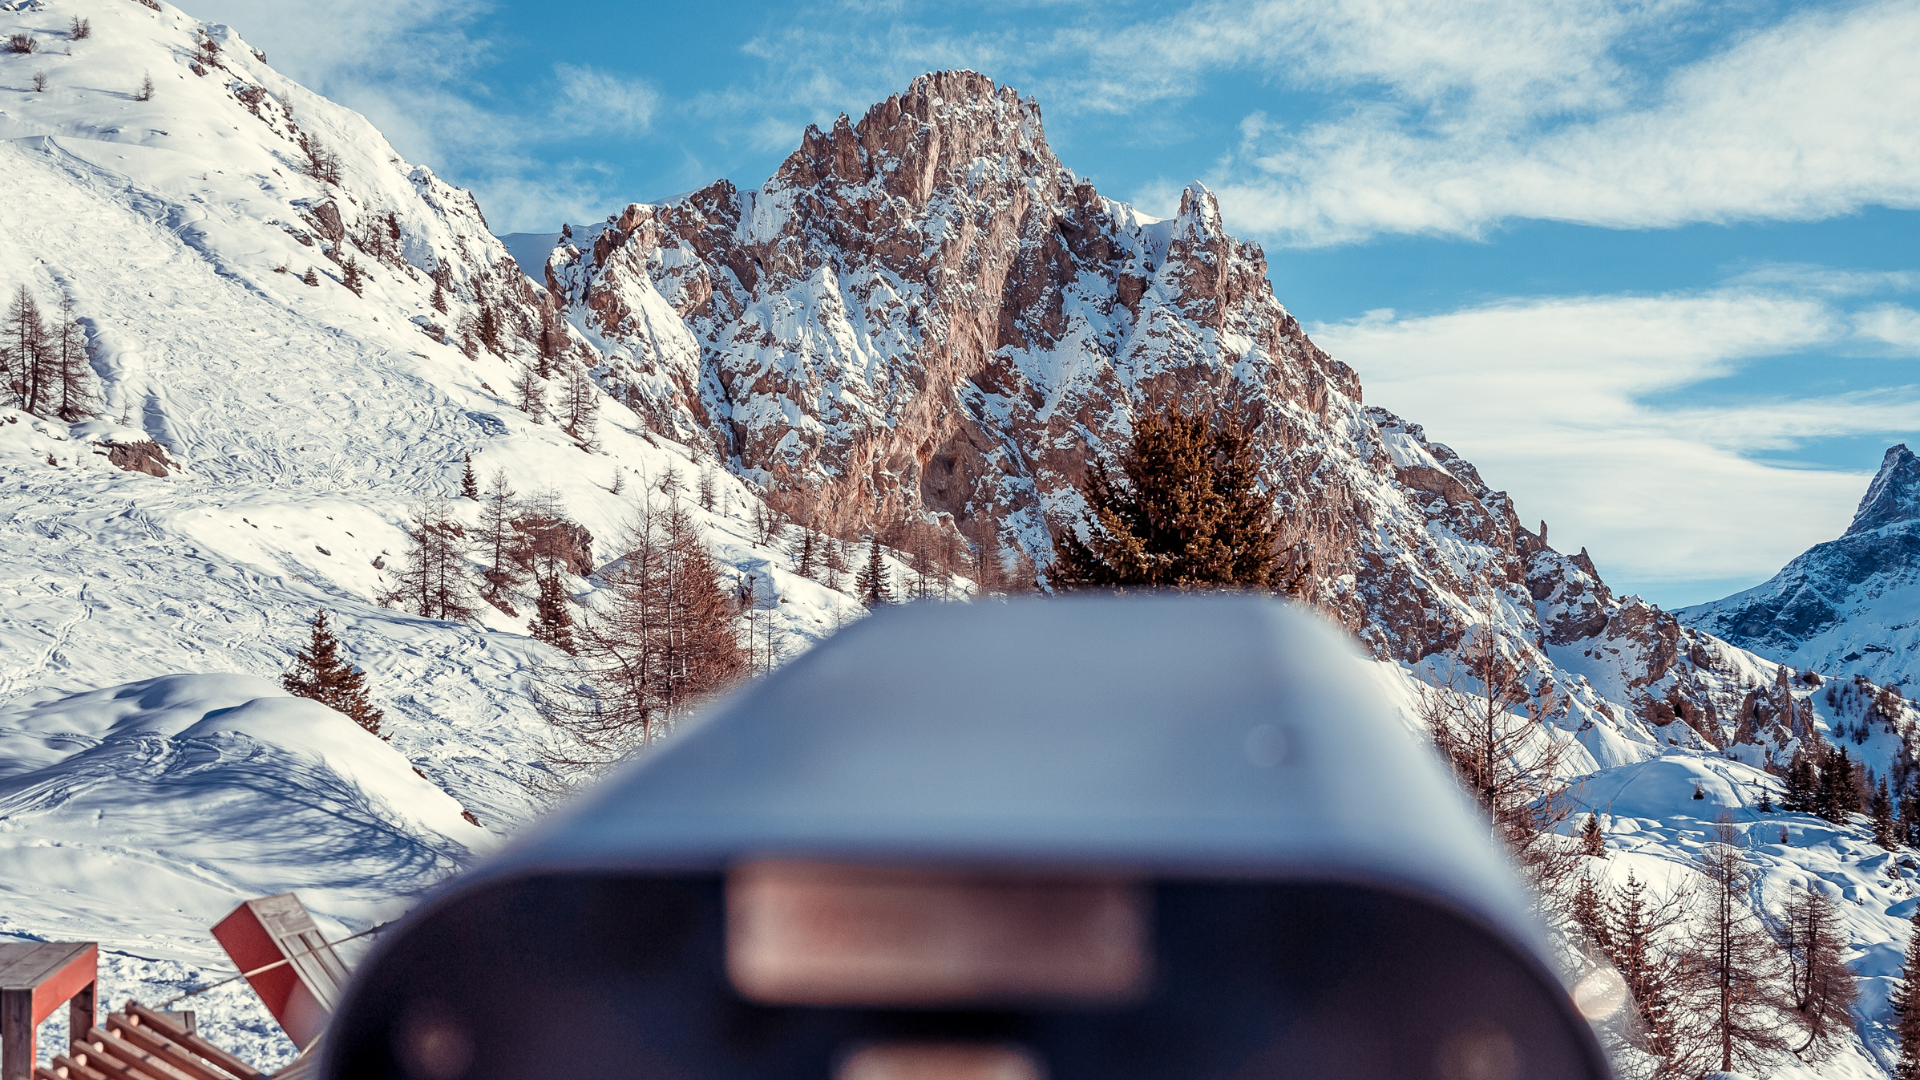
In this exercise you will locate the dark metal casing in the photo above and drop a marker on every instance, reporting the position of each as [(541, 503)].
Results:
[(1325, 903)]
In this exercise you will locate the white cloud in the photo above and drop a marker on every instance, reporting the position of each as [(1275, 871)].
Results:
[(1815, 116), (1551, 400)]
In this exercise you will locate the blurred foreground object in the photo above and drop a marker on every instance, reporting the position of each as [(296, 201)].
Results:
[(1163, 837)]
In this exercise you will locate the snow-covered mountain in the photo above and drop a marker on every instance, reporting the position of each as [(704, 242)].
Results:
[(924, 314), (278, 433), (1849, 605)]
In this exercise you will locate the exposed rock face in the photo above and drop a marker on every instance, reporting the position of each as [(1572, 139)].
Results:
[(925, 313), (141, 457), (1849, 605)]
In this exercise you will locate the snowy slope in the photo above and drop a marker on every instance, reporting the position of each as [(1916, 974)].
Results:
[(1850, 605), (140, 815), (298, 424)]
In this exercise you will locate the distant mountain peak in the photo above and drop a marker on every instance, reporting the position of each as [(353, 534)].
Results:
[(1894, 495)]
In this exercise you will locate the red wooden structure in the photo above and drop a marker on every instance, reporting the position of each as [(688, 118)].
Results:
[(140, 1044), (303, 991), (36, 979)]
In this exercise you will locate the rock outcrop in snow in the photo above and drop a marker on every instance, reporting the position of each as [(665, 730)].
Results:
[(1850, 605)]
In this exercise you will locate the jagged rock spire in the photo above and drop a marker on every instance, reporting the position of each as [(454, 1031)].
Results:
[(1894, 495)]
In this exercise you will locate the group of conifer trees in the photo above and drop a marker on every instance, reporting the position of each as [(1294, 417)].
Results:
[(44, 363)]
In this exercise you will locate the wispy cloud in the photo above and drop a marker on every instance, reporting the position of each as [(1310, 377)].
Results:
[(1560, 401), (593, 101)]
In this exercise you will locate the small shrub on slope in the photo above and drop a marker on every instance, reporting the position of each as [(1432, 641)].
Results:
[(80, 29), (319, 673), (22, 43)]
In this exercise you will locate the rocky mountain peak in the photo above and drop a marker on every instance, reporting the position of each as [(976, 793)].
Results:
[(1894, 495), (943, 128)]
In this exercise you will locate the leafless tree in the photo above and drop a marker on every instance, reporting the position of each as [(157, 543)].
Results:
[(1734, 992), (579, 408), (664, 641), (1819, 982), (1482, 710), (72, 392), (504, 575), (528, 395), (707, 485), (434, 581)]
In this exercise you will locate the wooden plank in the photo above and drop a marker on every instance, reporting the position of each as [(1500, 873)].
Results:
[(23, 967), (172, 1053), (103, 1063), (60, 983), (134, 1056), (194, 1043), (75, 1070), (17, 1037)]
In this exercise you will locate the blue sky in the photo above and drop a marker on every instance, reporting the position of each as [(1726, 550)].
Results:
[(1654, 266)]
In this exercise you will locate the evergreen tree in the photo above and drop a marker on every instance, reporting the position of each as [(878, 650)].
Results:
[(1838, 794), (1638, 942), (806, 551), (552, 619), (870, 585), (1822, 987), (490, 328), (1764, 804), (1910, 818), (1802, 796), (1905, 1000), (1592, 841), (469, 487), (439, 298), (311, 277), (1186, 512), (1881, 808), (1589, 911), (319, 673), (350, 276)]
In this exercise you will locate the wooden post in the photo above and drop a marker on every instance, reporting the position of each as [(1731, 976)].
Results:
[(82, 1013), (36, 978), (17, 1043)]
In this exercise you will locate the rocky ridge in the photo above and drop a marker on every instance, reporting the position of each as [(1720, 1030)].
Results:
[(1850, 605), (925, 314)]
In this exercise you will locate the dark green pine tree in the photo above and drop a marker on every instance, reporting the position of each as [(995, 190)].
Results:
[(350, 276), (469, 486), (870, 583), (1802, 795), (1837, 795), (1905, 1000), (552, 621), (319, 673), (1593, 842), (1881, 808), (1910, 818), (1186, 511)]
